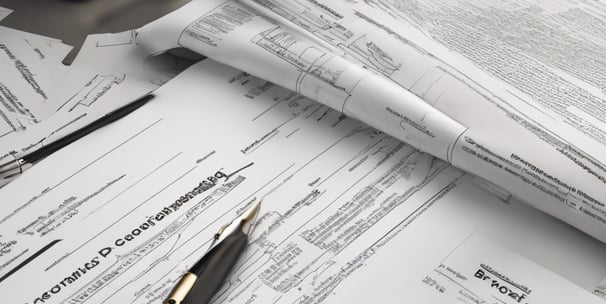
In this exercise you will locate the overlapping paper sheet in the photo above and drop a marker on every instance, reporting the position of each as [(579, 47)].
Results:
[(524, 80), (31, 65), (349, 214), (4, 12), (109, 71)]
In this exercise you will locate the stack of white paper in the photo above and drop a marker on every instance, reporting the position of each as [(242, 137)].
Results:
[(404, 151), (349, 214)]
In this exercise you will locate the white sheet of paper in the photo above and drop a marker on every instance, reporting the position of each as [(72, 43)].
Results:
[(109, 72), (477, 270), (31, 65), (4, 12), (24, 84), (232, 33), (533, 142), (106, 63), (50, 50), (519, 89), (11, 32), (348, 212)]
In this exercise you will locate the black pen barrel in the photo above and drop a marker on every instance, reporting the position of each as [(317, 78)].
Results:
[(91, 127), (214, 267)]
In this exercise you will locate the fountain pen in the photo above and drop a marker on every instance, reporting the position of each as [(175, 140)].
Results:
[(206, 277)]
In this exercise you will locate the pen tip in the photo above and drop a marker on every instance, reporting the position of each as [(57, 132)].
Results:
[(250, 215), (254, 209)]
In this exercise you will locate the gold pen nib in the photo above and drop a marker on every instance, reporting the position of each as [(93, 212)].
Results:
[(244, 222), (249, 216)]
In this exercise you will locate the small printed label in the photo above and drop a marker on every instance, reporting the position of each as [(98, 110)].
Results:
[(480, 271)]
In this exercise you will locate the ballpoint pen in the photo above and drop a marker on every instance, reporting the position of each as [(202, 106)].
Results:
[(15, 167), (205, 278)]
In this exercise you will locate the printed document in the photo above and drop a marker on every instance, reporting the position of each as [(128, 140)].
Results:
[(349, 214), (4, 12), (523, 82), (109, 72)]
